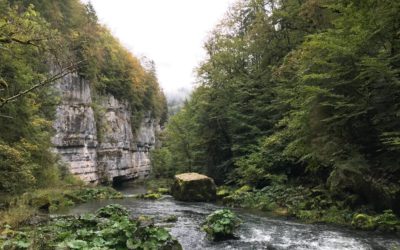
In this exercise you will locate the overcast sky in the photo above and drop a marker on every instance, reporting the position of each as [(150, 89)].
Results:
[(170, 32)]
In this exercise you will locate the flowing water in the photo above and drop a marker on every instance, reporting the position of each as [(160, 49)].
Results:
[(256, 232)]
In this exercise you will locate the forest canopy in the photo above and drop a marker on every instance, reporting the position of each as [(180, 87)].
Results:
[(304, 92)]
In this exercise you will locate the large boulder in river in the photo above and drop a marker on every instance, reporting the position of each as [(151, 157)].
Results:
[(193, 187)]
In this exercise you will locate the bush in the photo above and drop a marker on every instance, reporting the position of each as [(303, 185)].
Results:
[(15, 172), (221, 224), (112, 210), (387, 222)]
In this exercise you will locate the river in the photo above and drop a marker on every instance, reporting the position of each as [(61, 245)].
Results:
[(257, 231)]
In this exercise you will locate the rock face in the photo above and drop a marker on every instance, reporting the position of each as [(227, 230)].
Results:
[(76, 134), (116, 152), (193, 187)]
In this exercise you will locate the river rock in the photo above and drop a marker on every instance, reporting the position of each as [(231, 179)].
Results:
[(193, 187)]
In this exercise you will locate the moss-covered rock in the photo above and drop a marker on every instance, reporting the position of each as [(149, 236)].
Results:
[(163, 190), (171, 218), (150, 196), (193, 187), (221, 225), (222, 192), (363, 221)]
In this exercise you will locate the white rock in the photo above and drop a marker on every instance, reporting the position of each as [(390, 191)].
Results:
[(119, 154)]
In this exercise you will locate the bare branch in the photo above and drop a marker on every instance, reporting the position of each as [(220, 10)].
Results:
[(7, 116), (61, 74), (3, 83), (16, 40)]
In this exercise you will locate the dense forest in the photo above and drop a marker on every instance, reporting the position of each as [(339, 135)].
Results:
[(299, 93), (40, 42)]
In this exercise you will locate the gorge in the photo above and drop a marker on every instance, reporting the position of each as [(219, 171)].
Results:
[(294, 114)]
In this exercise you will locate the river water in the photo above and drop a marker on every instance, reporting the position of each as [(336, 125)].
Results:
[(256, 232)]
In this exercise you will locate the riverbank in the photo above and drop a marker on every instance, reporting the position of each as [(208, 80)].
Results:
[(19, 210), (284, 228), (38, 220), (310, 205), (258, 230), (110, 227)]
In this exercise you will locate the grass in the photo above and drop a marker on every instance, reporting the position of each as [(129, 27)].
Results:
[(16, 217)]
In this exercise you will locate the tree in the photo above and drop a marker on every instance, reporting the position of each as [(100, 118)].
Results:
[(304, 91)]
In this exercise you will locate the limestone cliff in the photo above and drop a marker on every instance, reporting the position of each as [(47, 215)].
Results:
[(114, 154)]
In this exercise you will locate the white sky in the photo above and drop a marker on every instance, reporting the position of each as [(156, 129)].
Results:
[(170, 32)]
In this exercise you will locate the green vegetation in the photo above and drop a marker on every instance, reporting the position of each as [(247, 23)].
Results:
[(161, 185), (385, 222), (98, 193), (221, 224), (39, 41), (17, 211), (26, 41), (156, 188), (311, 205), (150, 195), (296, 104), (109, 228), (297, 95)]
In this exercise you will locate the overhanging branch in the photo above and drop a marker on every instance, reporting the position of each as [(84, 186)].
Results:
[(61, 74)]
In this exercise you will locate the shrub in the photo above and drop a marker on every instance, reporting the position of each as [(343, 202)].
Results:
[(221, 224), (387, 222), (113, 210), (15, 172)]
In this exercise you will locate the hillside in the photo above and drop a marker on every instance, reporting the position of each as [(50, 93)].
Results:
[(78, 66), (297, 93)]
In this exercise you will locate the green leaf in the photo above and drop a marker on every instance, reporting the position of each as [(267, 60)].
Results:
[(132, 244), (77, 244), (162, 235)]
